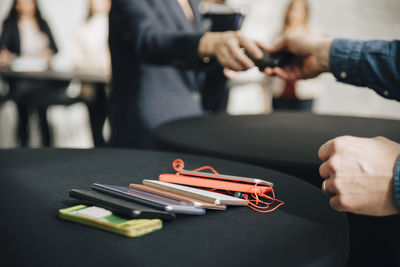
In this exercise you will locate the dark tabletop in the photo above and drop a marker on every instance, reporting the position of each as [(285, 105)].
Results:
[(35, 183), (52, 75), (287, 142)]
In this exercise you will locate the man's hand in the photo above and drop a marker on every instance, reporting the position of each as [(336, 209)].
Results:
[(229, 49), (359, 174), (311, 56)]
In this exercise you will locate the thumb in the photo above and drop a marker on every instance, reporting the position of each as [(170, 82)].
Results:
[(280, 45)]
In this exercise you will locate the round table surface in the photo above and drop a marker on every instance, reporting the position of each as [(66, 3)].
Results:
[(35, 184), (287, 142)]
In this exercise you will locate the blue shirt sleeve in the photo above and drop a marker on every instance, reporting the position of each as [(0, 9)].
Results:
[(397, 182), (374, 64)]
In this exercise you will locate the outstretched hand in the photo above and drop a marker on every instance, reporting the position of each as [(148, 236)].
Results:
[(311, 56), (229, 49)]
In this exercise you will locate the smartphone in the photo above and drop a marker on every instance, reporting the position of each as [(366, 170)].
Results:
[(155, 201), (190, 200), (278, 59), (227, 177), (120, 206), (204, 195), (105, 220)]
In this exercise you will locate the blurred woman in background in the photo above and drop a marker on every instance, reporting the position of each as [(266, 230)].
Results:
[(27, 43), (92, 55), (26, 35), (291, 95)]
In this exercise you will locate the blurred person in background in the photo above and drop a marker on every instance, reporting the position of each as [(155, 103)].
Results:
[(292, 95), (26, 35), (92, 55), (91, 51), (158, 52), (27, 43)]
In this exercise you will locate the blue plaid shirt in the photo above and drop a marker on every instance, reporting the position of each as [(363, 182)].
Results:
[(373, 64)]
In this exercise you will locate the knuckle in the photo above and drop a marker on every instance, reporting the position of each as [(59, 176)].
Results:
[(334, 203), (379, 138), (238, 34), (336, 185), (332, 165), (322, 169), (339, 203), (344, 202), (340, 143), (334, 145), (345, 139)]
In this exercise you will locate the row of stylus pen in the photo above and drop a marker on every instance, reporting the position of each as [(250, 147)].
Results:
[(155, 199)]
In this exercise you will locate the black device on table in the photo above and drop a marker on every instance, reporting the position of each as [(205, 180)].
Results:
[(278, 59), (152, 200), (120, 206)]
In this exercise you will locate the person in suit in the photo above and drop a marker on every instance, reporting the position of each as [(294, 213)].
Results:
[(158, 52)]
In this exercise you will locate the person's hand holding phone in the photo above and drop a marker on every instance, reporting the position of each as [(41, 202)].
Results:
[(311, 56), (229, 48)]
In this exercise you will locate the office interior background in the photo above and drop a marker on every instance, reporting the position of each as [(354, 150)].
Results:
[(363, 19)]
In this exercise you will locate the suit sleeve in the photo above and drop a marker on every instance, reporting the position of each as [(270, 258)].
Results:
[(135, 22), (373, 64)]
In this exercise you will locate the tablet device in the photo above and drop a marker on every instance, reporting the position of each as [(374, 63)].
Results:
[(190, 200), (207, 196), (120, 206), (152, 200)]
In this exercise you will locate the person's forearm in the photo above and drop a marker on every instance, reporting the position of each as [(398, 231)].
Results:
[(323, 49), (180, 50), (134, 22), (372, 64)]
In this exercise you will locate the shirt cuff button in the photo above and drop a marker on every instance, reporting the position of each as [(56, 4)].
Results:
[(343, 75), (385, 93), (206, 60)]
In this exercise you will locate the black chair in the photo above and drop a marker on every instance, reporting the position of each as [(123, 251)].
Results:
[(34, 96)]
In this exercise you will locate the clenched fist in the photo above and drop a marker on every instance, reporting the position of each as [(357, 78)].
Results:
[(359, 174)]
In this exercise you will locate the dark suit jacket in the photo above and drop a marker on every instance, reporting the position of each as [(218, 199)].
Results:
[(155, 67)]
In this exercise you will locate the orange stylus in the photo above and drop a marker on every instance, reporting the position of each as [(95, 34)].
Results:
[(214, 184)]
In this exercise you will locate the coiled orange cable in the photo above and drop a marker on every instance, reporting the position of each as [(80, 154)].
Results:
[(254, 200)]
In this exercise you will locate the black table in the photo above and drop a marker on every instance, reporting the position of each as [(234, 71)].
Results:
[(289, 142), (52, 75), (35, 184)]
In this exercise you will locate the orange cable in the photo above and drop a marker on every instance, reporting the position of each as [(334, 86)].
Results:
[(255, 204)]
